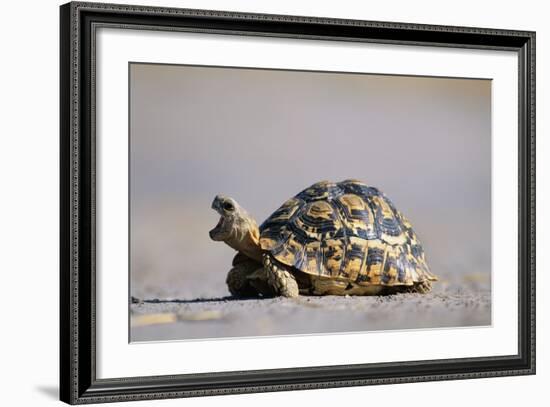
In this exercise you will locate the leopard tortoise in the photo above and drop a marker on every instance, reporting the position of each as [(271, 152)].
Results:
[(330, 239)]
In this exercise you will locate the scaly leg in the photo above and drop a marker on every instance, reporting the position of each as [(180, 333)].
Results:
[(280, 279), (248, 278), (237, 279)]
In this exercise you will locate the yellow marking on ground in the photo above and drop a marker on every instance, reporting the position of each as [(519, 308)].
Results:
[(206, 315), (172, 317), (153, 319)]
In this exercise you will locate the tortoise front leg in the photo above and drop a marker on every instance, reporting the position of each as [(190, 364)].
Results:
[(238, 284), (280, 279), (237, 279), (247, 278)]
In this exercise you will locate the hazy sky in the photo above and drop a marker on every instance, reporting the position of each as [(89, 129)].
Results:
[(261, 136)]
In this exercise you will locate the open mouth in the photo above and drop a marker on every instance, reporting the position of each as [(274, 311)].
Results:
[(219, 226), (217, 232)]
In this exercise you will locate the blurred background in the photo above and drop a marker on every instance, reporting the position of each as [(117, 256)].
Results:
[(261, 136)]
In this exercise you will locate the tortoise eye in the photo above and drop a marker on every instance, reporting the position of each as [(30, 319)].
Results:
[(228, 206)]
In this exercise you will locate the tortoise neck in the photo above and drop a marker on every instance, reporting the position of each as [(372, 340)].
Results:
[(248, 243)]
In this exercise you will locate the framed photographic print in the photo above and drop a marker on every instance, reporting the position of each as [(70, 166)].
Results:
[(257, 203)]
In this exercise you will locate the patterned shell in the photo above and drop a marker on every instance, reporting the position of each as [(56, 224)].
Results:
[(346, 231)]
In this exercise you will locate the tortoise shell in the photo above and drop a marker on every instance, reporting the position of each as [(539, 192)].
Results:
[(346, 231)]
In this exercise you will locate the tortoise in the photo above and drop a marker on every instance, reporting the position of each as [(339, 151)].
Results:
[(344, 238)]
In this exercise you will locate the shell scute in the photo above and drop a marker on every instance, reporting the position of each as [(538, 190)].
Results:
[(357, 216), (333, 256), (356, 253), (317, 220)]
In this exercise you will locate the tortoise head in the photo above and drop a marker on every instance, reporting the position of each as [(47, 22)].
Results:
[(236, 227)]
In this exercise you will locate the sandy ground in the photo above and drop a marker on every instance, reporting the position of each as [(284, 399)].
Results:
[(161, 319)]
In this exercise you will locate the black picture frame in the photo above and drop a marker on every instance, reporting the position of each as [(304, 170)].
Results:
[(78, 381)]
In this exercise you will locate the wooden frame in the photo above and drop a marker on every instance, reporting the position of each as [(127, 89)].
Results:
[(77, 278)]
